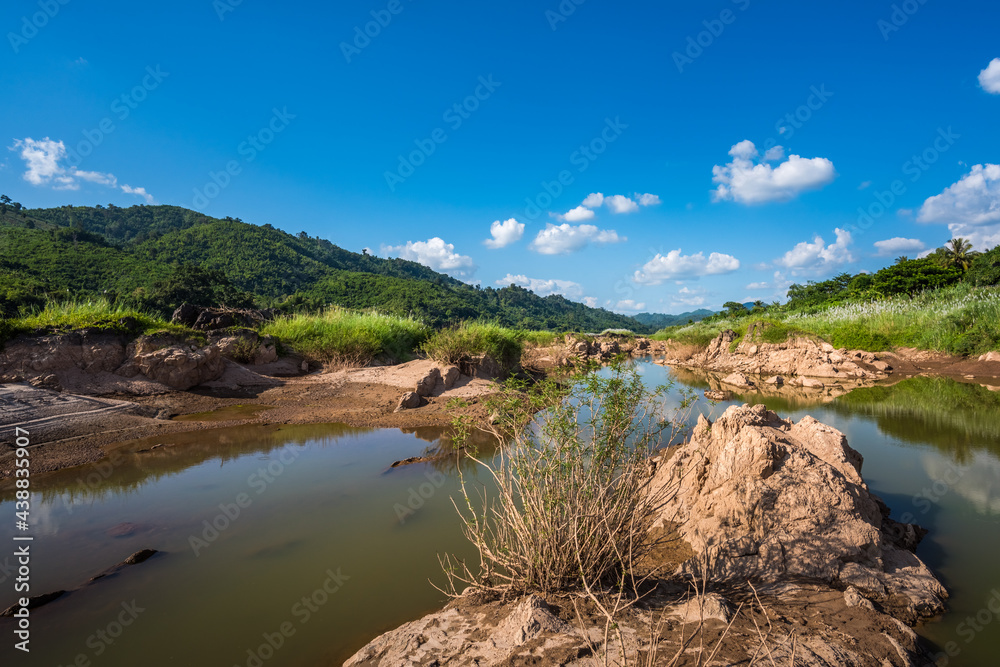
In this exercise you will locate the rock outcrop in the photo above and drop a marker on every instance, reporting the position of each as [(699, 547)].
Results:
[(764, 499), (797, 356), (782, 506), (245, 346)]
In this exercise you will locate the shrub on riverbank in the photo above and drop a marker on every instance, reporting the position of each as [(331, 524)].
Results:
[(573, 507), (96, 314), (473, 339), (346, 337), (960, 319)]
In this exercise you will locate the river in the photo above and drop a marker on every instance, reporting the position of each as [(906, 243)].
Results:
[(295, 545)]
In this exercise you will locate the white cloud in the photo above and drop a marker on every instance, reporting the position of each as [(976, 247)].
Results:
[(504, 233), (436, 254), (894, 246), (675, 266), (762, 285), (565, 238), (96, 177), (973, 200), (648, 199), (989, 78), (129, 190), (43, 159), (817, 256), (593, 200), (687, 296), (628, 305), (743, 181), (864, 185), (590, 301), (774, 154), (970, 207), (621, 204), (567, 288), (578, 214)]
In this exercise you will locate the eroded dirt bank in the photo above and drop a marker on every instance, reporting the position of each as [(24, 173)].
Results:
[(77, 402)]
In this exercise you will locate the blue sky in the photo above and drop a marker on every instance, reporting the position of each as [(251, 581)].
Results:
[(737, 145)]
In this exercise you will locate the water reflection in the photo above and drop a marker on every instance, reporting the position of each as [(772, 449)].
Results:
[(955, 417)]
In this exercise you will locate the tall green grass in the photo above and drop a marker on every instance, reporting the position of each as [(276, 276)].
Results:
[(960, 319), (349, 337), (97, 314), (472, 339)]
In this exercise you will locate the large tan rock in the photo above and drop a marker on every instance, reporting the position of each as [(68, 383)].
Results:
[(179, 366), (763, 499), (471, 639), (246, 346), (425, 385)]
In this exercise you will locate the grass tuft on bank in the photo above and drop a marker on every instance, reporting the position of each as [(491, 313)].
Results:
[(960, 319), (102, 314), (473, 339), (342, 336)]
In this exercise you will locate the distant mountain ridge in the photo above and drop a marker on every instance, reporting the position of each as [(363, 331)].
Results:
[(156, 255), (661, 320)]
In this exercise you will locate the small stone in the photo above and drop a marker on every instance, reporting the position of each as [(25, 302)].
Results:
[(852, 598), (408, 401)]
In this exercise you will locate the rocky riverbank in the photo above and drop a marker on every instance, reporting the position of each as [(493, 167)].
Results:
[(788, 554), (802, 361)]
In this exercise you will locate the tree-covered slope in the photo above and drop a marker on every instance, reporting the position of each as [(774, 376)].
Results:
[(158, 256)]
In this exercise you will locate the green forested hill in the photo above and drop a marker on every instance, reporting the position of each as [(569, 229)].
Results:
[(157, 256)]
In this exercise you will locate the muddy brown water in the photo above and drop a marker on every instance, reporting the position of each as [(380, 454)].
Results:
[(295, 545)]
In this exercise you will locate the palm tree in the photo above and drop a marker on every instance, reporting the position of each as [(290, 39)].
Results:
[(901, 259), (958, 252)]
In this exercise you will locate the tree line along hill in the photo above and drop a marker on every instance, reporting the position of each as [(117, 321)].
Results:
[(158, 257)]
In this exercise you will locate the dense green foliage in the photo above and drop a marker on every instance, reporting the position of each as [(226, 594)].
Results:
[(660, 320), (347, 337), (156, 257), (960, 319), (985, 269)]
